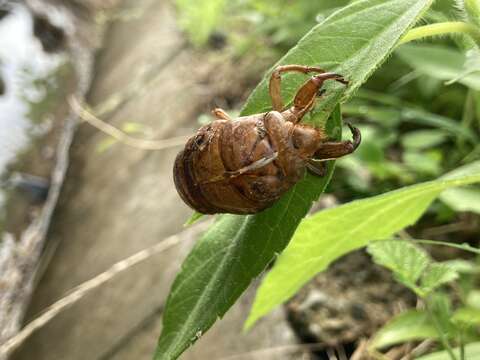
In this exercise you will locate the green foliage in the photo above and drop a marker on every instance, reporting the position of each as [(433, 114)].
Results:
[(408, 326), (424, 139), (472, 352), (407, 262), (462, 200), (411, 265), (327, 235), (439, 62), (467, 316), (225, 261), (199, 18), (472, 8), (473, 299), (332, 46), (416, 124), (238, 248), (436, 275)]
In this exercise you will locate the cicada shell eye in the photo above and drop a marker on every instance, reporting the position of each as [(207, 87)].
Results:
[(305, 140)]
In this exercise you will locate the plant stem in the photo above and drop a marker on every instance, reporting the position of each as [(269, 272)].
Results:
[(464, 247), (462, 345), (441, 335), (443, 28)]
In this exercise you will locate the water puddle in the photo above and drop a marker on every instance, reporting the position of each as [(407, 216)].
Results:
[(35, 79)]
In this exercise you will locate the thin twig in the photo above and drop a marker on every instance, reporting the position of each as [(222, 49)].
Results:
[(81, 290), (446, 229), (420, 349), (331, 354), (119, 135), (360, 350)]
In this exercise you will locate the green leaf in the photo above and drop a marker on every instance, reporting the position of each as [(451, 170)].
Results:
[(238, 248), (436, 275), (200, 18), (411, 265), (329, 234), (405, 260), (472, 8), (440, 305), (472, 352), (467, 316), (227, 258), (471, 65), (421, 117), (462, 266), (408, 326), (403, 112), (473, 299), (424, 139), (439, 62), (467, 199), (423, 162), (348, 43), (196, 216)]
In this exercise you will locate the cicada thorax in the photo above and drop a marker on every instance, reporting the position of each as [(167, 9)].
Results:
[(214, 173)]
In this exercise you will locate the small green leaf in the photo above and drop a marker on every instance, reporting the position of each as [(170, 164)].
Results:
[(423, 162), (462, 199), (200, 18), (439, 62), (408, 326), (193, 219), (472, 352), (440, 305), (473, 299), (411, 265), (472, 8), (436, 275), (403, 112), (424, 139), (471, 66), (329, 234), (467, 316), (405, 260), (463, 266), (421, 117)]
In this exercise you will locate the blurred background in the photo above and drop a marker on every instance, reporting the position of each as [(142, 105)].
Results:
[(73, 201)]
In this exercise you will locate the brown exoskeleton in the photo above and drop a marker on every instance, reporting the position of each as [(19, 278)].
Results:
[(242, 166)]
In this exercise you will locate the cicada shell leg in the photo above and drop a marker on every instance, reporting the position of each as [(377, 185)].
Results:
[(220, 114), (249, 168), (308, 93), (276, 79), (318, 168), (334, 150)]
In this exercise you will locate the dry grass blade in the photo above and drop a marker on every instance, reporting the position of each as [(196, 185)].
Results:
[(119, 135)]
